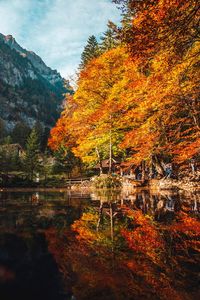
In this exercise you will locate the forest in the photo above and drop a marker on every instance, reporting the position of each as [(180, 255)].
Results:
[(103, 202), (137, 94), (135, 104)]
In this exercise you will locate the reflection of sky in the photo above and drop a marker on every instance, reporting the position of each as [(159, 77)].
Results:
[(56, 30)]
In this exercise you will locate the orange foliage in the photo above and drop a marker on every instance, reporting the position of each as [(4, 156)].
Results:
[(186, 233), (147, 270), (145, 100)]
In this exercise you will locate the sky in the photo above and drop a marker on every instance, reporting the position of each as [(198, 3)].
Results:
[(56, 30)]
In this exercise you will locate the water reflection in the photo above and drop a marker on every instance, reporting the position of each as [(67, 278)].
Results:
[(155, 204), (105, 245)]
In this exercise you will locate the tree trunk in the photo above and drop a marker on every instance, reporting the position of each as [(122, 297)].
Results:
[(110, 154), (100, 215), (143, 170), (157, 164), (100, 162), (110, 146), (111, 225)]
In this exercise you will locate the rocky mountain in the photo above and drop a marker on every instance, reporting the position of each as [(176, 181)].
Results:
[(30, 91)]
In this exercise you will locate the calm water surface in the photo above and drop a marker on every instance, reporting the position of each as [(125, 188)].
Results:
[(103, 245)]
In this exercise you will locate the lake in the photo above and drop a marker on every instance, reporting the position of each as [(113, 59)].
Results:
[(103, 244)]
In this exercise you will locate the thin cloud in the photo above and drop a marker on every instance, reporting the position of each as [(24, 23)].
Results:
[(57, 30)]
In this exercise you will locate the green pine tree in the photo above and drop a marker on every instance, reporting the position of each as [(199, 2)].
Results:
[(2, 130), (46, 165), (90, 51), (7, 140), (32, 160), (20, 133), (65, 161), (40, 132), (110, 38)]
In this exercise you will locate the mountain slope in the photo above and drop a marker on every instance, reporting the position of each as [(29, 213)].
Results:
[(30, 91)]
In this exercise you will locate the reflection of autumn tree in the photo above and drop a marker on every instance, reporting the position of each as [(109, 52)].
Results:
[(89, 257), (57, 246), (145, 238), (183, 240), (149, 259)]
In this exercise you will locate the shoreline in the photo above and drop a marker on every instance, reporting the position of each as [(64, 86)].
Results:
[(186, 183), (173, 184), (154, 184)]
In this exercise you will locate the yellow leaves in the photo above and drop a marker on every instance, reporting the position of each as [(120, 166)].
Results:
[(82, 227), (97, 98), (141, 100)]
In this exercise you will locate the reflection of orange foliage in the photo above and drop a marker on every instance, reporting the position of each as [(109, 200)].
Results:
[(145, 238), (160, 282), (57, 247), (146, 271), (187, 225), (83, 227), (148, 247), (149, 255), (186, 233)]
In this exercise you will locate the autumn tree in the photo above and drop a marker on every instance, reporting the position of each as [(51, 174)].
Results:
[(163, 39), (142, 98), (159, 25), (94, 125)]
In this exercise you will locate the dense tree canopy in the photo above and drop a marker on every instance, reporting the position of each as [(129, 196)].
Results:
[(141, 98)]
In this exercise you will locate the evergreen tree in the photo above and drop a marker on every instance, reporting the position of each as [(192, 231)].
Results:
[(16, 162), (2, 130), (127, 17), (44, 140), (31, 160), (46, 165), (127, 12), (20, 134), (65, 161), (7, 140), (3, 161), (110, 38), (90, 51), (40, 133), (9, 161)]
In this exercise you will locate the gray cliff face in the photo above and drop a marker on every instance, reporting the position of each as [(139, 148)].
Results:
[(30, 91), (52, 76)]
